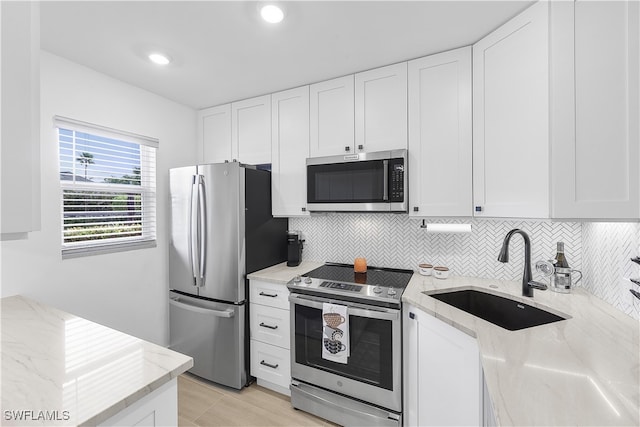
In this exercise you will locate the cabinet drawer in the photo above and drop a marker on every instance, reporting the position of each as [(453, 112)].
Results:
[(270, 363), (271, 294), (270, 325)]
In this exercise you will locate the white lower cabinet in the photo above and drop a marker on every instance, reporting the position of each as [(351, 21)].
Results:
[(442, 373), (270, 335), (270, 325), (158, 408), (271, 363)]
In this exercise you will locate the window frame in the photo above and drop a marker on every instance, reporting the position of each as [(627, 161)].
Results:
[(146, 190)]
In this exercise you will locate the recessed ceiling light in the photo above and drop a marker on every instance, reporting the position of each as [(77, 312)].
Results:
[(271, 13), (158, 58)]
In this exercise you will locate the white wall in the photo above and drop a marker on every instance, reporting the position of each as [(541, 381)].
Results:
[(127, 290)]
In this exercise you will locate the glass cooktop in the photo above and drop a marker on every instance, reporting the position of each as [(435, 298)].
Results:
[(389, 277)]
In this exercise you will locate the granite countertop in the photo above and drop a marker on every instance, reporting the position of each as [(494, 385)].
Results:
[(280, 273), (78, 371), (580, 371)]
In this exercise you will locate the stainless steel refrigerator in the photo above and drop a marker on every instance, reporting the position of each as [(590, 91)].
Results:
[(221, 230)]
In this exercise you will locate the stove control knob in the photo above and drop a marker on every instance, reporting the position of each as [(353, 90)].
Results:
[(391, 291), (377, 289), (296, 279), (307, 280)]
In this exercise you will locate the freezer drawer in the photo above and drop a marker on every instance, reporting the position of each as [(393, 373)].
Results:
[(213, 334)]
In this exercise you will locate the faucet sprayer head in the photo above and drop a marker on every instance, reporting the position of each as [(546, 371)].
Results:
[(504, 252)]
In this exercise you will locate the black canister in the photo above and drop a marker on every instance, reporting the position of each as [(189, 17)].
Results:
[(294, 248)]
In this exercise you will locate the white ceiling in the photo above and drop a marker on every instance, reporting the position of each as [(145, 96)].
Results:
[(223, 52)]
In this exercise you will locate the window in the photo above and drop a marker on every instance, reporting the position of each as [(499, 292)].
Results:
[(108, 188)]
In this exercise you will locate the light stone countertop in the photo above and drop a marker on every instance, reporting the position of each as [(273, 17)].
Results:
[(280, 273), (580, 371), (85, 372)]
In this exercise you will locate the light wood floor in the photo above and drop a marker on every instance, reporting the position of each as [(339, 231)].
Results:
[(201, 403)]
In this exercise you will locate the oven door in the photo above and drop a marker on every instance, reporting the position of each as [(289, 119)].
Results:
[(373, 371)]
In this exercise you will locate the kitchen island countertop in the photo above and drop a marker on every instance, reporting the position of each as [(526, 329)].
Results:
[(60, 369), (580, 371)]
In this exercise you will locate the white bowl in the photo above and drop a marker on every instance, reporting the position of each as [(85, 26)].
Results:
[(440, 272), (425, 269)]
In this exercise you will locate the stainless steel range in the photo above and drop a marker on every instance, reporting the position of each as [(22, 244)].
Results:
[(363, 388)]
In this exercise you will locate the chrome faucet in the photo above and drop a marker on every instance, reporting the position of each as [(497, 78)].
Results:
[(527, 284)]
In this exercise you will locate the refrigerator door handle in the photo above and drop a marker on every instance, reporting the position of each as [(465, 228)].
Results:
[(195, 309), (202, 227), (193, 225)]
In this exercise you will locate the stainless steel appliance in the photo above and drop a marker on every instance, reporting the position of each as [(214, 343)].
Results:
[(367, 390), (221, 230), (364, 182)]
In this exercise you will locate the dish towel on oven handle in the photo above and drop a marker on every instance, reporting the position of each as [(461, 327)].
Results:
[(335, 333)]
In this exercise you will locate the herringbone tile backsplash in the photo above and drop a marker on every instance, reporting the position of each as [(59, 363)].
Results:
[(396, 240), (608, 249)]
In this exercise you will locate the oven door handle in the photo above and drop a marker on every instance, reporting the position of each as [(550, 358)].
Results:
[(355, 309)]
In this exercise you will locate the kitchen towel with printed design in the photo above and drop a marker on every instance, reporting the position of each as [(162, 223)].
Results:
[(335, 333)]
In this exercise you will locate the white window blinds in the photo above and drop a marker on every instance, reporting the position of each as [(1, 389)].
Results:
[(108, 188)]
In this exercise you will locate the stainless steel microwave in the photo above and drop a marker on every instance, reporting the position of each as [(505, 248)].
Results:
[(363, 182)]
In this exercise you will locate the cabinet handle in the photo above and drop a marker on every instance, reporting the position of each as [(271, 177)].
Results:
[(264, 325), (269, 365), (360, 147), (347, 148), (416, 209), (268, 295), (304, 209), (478, 208)]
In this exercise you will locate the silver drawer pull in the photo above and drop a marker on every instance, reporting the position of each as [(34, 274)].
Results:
[(269, 365), (268, 295), (264, 325)]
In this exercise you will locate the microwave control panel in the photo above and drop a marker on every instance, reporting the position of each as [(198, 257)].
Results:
[(396, 180)]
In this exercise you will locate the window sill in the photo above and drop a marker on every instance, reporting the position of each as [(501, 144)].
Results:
[(68, 253)]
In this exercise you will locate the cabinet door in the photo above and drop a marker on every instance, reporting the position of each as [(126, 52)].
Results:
[(251, 130), (331, 117), (381, 108), (20, 118), (289, 148), (596, 155), (214, 134), (440, 134), (511, 118), (442, 373)]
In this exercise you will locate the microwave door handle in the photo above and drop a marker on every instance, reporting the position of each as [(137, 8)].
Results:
[(385, 194)]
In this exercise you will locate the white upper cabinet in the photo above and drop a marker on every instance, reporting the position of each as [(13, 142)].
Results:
[(381, 108), (20, 118), (251, 130), (511, 118), (214, 133), (331, 117), (289, 148), (595, 147), (440, 134)]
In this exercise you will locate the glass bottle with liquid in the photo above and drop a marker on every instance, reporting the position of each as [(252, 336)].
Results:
[(561, 260), (561, 279)]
